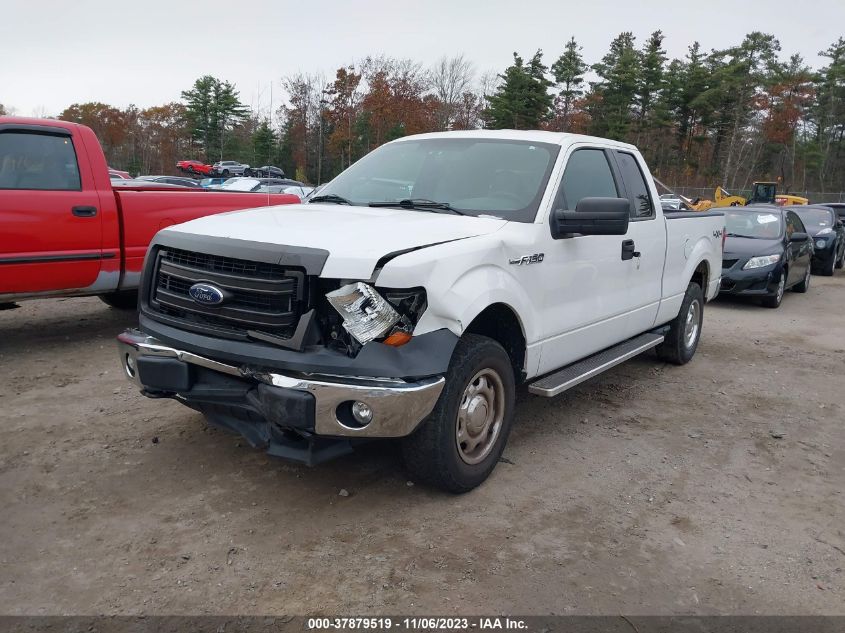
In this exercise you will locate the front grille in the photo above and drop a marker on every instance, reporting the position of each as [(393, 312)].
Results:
[(728, 263), (259, 296)]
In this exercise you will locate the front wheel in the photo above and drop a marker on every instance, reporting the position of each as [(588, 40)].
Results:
[(680, 343), (459, 444), (775, 300), (830, 267)]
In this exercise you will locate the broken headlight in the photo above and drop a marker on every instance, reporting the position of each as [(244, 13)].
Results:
[(367, 315)]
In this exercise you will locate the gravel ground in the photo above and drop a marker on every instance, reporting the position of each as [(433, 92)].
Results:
[(709, 489)]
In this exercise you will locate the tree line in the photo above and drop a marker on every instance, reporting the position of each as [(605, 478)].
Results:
[(723, 117)]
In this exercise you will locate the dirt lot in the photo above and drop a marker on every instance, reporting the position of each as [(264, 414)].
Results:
[(711, 488)]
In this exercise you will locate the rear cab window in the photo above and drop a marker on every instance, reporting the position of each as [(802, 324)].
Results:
[(642, 207), (38, 161)]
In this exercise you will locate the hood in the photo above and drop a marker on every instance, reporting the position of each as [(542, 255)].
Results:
[(740, 247), (356, 238)]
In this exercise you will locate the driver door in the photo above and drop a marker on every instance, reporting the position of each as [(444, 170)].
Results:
[(586, 297)]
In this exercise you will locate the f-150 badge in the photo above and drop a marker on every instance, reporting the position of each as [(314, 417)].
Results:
[(536, 258)]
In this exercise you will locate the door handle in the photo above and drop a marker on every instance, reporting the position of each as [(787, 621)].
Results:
[(629, 250), (84, 212)]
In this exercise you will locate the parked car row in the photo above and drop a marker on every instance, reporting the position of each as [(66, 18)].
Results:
[(770, 249), (227, 168)]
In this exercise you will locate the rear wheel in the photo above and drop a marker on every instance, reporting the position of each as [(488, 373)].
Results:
[(681, 341), (225, 173), (459, 444), (775, 300), (123, 300), (805, 283)]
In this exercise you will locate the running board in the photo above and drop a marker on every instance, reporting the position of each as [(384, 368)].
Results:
[(576, 373)]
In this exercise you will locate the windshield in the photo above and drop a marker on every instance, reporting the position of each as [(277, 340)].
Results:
[(505, 178), (241, 184), (760, 225), (815, 219)]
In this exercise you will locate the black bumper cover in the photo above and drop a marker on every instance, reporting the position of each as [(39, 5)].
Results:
[(280, 421)]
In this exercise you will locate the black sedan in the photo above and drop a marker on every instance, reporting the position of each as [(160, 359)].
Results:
[(828, 234), (767, 251), (265, 171)]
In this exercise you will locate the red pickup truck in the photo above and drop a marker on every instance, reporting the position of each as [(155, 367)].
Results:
[(66, 231)]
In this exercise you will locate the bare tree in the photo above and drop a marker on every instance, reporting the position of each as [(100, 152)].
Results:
[(451, 78)]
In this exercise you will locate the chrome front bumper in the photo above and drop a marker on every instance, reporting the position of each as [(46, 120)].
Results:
[(397, 406)]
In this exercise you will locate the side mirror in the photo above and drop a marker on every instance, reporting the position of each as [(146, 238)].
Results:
[(592, 216), (799, 237)]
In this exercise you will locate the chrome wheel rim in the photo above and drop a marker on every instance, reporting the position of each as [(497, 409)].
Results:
[(692, 324), (781, 286), (480, 416)]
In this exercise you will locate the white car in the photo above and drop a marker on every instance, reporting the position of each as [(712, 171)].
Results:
[(412, 294)]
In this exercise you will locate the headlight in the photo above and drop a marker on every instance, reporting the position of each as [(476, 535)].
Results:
[(366, 314), (821, 244), (759, 262), (826, 231)]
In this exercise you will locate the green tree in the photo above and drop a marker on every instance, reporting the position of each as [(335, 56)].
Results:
[(263, 143), (522, 100), (615, 93), (650, 82), (213, 109), (828, 117), (568, 72)]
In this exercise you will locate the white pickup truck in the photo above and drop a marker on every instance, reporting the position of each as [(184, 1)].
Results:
[(414, 292)]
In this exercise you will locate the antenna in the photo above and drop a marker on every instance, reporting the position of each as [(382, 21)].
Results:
[(270, 124)]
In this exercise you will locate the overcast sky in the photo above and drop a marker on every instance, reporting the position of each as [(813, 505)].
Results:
[(57, 52)]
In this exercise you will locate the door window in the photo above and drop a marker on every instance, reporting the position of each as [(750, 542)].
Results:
[(38, 161), (635, 185), (793, 224), (587, 175)]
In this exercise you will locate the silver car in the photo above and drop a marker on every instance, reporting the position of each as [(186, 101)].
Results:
[(228, 168)]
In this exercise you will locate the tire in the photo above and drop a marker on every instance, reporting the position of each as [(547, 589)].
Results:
[(841, 261), (775, 300), (225, 173), (123, 300), (805, 283), (247, 172), (190, 169), (480, 379), (680, 343), (830, 268)]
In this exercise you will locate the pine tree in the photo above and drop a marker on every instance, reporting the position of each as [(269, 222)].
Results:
[(522, 100), (650, 80), (568, 72), (263, 142), (213, 107), (613, 96)]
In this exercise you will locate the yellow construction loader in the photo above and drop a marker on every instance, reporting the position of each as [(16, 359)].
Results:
[(761, 193)]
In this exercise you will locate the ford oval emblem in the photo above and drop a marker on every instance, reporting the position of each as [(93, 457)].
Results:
[(206, 294)]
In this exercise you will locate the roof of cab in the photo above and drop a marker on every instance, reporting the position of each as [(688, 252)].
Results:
[(536, 136)]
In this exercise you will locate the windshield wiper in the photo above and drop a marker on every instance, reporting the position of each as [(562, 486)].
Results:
[(329, 197), (419, 203)]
